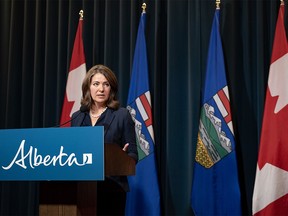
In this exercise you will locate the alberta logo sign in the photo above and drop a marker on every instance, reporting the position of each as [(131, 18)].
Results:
[(33, 159), (52, 154)]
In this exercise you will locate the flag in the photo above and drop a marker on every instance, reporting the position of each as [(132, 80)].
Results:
[(270, 196), (215, 186), (76, 75), (144, 195)]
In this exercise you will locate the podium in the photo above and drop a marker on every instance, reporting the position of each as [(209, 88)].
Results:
[(68, 162), (79, 198)]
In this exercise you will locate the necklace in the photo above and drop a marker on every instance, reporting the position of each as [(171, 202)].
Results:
[(97, 116)]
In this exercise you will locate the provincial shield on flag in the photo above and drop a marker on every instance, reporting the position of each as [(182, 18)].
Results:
[(215, 130), (141, 114)]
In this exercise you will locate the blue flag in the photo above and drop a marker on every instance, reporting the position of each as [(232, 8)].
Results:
[(144, 195), (215, 187)]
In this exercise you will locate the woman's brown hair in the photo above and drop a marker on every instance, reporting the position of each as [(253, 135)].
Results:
[(111, 78)]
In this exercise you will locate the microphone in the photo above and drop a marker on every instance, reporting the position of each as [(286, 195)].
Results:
[(83, 109)]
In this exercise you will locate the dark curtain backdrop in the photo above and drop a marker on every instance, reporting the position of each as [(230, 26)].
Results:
[(36, 43)]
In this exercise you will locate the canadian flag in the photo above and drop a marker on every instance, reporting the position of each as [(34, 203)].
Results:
[(76, 75), (271, 184)]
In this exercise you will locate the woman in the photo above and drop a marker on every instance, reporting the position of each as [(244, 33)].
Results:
[(99, 97)]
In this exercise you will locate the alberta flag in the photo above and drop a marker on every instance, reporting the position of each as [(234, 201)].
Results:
[(76, 75), (215, 187), (270, 195), (144, 197)]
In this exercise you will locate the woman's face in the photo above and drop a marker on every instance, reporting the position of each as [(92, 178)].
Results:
[(100, 89)]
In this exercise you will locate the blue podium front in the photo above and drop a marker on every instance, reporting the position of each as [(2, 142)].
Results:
[(74, 153)]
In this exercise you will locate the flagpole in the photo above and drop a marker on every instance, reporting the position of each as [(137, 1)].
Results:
[(144, 195), (217, 4), (81, 13), (77, 72), (143, 8)]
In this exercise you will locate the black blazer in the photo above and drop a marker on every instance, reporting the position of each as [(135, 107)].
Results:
[(119, 128)]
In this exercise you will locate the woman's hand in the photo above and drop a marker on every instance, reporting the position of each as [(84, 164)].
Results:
[(125, 147)]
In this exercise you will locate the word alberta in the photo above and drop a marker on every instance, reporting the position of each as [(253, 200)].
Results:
[(33, 159)]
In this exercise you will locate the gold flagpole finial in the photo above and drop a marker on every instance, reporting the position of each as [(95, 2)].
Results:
[(144, 8), (218, 4), (81, 13), (281, 2)]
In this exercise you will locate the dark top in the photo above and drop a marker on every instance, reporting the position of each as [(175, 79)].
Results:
[(119, 128)]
